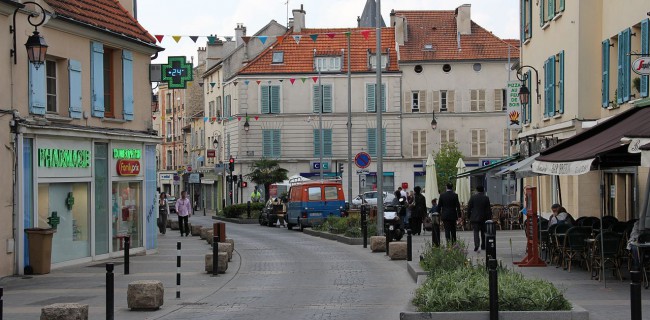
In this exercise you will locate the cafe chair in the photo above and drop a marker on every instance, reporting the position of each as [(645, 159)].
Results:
[(575, 246), (606, 253)]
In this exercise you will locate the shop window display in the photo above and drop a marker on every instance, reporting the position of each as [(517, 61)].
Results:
[(125, 210)]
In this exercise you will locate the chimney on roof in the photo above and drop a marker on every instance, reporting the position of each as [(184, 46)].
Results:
[(298, 19), (240, 31), (202, 55), (464, 19), (401, 31)]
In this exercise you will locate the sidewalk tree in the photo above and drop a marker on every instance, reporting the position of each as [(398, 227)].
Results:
[(267, 172), (446, 159)]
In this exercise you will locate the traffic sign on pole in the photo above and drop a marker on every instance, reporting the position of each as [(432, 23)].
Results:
[(362, 160)]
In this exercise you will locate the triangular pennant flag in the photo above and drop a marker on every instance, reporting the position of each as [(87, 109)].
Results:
[(315, 79), (313, 37), (177, 38), (246, 39), (303, 79), (365, 34), (280, 39), (214, 119), (154, 117), (212, 84), (205, 119), (262, 39), (257, 117), (281, 80), (239, 118), (194, 38), (235, 83), (269, 82), (347, 34), (212, 39), (258, 82), (159, 37), (292, 80), (201, 84), (331, 35), (297, 38), (246, 82), (231, 118)]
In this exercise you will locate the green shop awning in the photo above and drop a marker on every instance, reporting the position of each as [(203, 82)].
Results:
[(489, 167)]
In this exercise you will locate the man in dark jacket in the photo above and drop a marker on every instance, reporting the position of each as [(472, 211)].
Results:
[(419, 211), (479, 211), (449, 212)]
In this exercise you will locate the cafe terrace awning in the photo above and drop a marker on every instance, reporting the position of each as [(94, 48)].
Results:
[(601, 146), (521, 169), (487, 168)]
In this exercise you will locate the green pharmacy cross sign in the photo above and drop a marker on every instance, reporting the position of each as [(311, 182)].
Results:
[(177, 72)]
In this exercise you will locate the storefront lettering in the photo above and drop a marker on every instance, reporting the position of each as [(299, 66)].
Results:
[(127, 153), (562, 168), (63, 158), (128, 167)]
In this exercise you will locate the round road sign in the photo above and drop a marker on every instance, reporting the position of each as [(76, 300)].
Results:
[(362, 160)]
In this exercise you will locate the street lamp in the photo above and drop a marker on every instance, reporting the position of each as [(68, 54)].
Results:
[(434, 123), (35, 45), (524, 92), (247, 125)]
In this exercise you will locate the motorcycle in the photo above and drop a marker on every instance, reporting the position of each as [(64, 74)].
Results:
[(392, 224)]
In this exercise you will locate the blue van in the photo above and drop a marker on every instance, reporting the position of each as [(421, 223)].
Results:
[(310, 203)]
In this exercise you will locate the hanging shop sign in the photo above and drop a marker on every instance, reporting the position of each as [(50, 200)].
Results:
[(127, 153), (211, 153), (63, 158), (128, 167), (514, 105), (177, 72), (641, 66)]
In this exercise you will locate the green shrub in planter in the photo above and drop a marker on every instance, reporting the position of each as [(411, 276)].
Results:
[(443, 258), (239, 210)]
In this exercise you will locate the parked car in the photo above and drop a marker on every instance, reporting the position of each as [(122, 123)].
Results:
[(273, 211), (310, 203), (370, 198), (171, 201)]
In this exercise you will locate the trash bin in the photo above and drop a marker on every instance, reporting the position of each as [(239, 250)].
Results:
[(40, 249)]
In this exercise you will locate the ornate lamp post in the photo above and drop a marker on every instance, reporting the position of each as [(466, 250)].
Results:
[(35, 45)]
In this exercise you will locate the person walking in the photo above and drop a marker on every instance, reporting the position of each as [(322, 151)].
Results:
[(449, 207), (256, 195), (419, 211), (184, 211), (479, 211), (163, 212)]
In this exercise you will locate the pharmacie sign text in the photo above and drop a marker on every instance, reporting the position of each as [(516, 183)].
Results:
[(63, 158)]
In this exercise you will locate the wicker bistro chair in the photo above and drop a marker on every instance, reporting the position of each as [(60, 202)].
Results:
[(514, 217), (608, 221), (557, 255), (551, 243), (575, 246), (498, 215), (608, 255)]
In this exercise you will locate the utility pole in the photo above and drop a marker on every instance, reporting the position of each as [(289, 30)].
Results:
[(320, 122), (380, 140), (349, 123)]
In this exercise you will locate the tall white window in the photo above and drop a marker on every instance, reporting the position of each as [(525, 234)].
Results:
[(477, 100), (443, 100), (419, 143), (50, 76), (447, 136), (372, 60), (328, 64), (415, 101), (479, 143)]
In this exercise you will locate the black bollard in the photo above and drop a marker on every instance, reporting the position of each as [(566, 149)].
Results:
[(204, 207), (494, 289), (435, 233), (110, 292), (223, 204), (127, 247), (364, 226), (490, 241), (387, 240), (409, 246), (215, 255), (178, 270), (1, 302), (248, 209), (635, 295)]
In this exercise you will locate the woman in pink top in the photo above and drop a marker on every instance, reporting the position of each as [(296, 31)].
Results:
[(184, 211)]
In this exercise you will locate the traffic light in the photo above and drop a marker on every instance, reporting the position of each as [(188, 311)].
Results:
[(231, 164), (244, 184), (234, 178), (341, 167)]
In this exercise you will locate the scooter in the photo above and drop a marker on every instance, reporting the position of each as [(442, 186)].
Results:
[(392, 224)]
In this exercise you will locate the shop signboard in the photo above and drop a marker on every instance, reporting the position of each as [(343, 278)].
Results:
[(166, 176), (514, 105), (641, 66), (195, 178), (128, 167), (211, 153), (59, 158)]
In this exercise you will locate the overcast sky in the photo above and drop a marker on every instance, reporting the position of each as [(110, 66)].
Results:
[(204, 17)]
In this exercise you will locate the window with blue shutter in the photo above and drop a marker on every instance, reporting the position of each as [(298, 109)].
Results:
[(227, 112), (561, 5), (370, 97), (546, 86), (327, 98), (271, 147), (542, 17), (605, 74), (270, 99), (561, 82), (623, 65), (551, 89), (372, 141), (529, 106), (327, 142), (37, 89), (526, 19), (522, 21), (127, 84), (74, 78), (551, 10), (97, 79), (645, 51)]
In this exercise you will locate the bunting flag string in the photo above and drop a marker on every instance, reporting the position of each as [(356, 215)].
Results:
[(212, 39)]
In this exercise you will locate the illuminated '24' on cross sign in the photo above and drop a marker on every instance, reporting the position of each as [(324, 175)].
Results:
[(177, 72)]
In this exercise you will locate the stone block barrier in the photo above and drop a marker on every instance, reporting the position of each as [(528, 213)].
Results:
[(397, 250), (65, 311), (145, 295), (378, 244), (223, 262)]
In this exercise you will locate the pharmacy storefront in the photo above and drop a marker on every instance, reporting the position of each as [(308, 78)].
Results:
[(93, 192)]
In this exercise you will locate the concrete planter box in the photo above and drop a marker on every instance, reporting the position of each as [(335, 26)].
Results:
[(577, 313), (334, 237), (236, 220), (416, 272)]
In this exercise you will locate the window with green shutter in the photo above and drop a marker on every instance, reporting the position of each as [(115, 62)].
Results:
[(561, 82), (605, 74), (550, 13), (645, 51), (623, 81), (549, 87), (542, 16), (372, 141), (271, 145), (370, 97), (327, 142), (327, 98), (270, 99)]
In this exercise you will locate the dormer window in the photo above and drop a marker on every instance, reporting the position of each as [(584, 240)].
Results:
[(428, 47), (278, 57), (328, 63), (372, 58)]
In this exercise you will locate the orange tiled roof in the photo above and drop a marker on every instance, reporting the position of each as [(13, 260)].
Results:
[(299, 58), (438, 28), (103, 14)]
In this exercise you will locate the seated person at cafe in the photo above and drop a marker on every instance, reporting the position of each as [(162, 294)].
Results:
[(632, 246), (559, 216)]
